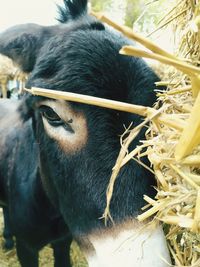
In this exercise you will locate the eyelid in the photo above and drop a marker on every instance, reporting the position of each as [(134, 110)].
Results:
[(61, 107), (50, 114), (45, 107), (58, 121)]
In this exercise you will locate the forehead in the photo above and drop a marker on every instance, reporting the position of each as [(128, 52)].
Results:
[(81, 46), (79, 61)]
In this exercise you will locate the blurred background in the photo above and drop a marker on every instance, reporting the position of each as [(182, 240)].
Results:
[(142, 15)]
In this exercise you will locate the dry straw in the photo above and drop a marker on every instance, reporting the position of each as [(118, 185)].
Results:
[(10, 72), (174, 152), (173, 135), (6, 73)]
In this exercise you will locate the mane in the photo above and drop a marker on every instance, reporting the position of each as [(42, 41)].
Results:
[(72, 9)]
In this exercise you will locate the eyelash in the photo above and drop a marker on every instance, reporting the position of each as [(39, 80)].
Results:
[(54, 120)]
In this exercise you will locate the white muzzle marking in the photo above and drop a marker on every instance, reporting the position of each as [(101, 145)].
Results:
[(130, 248)]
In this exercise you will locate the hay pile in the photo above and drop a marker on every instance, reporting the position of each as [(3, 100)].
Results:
[(175, 153), (9, 72), (6, 73), (173, 137), (6, 66)]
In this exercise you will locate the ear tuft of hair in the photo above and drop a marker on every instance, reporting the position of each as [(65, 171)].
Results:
[(71, 10), (96, 25)]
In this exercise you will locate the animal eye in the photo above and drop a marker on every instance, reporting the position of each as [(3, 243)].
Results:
[(51, 116), (54, 120)]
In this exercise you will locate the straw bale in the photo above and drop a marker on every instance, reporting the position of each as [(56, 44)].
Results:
[(173, 143), (8, 72), (175, 153), (6, 66)]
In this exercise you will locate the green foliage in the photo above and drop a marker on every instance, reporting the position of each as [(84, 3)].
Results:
[(143, 15), (100, 5), (133, 10), (147, 14)]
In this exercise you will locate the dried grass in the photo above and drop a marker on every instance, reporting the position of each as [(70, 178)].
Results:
[(6, 66), (173, 148), (10, 72)]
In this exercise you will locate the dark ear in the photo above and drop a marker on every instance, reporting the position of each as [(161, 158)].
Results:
[(22, 44), (71, 10)]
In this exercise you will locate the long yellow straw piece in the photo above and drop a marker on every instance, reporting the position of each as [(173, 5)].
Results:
[(181, 65), (91, 100), (190, 137)]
